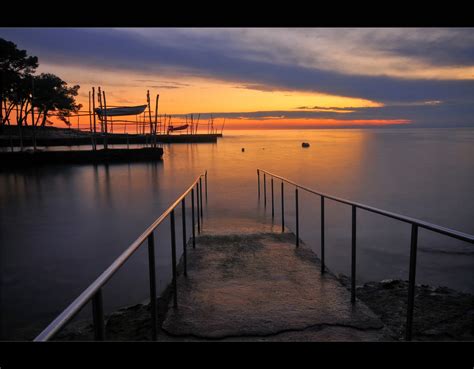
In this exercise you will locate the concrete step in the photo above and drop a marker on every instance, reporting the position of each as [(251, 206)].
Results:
[(252, 285)]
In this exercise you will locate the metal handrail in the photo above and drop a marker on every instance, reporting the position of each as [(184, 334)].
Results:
[(94, 290), (433, 227), (415, 223)]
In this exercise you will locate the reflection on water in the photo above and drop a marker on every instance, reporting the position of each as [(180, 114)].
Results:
[(61, 226)]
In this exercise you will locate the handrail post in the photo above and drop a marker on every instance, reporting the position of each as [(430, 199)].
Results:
[(183, 217), (200, 197), (411, 281), (353, 261), (258, 179), (192, 218), (151, 267), (197, 208), (297, 219), (322, 234), (173, 259), (264, 190), (273, 202), (282, 209), (98, 316), (205, 180)]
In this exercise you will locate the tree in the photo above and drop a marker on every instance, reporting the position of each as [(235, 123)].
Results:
[(24, 92), (51, 94), (16, 68)]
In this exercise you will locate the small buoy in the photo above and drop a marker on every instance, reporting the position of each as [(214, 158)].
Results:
[(305, 144), (243, 149)]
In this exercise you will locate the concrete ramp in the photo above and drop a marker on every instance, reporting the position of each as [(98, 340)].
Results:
[(258, 286)]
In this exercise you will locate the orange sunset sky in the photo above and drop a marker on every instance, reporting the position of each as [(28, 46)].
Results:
[(269, 78), (201, 96)]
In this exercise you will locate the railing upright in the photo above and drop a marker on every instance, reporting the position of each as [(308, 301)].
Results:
[(353, 256), (200, 198), (205, 179), (192, 219), (173, 260), (98, 316), (183, 219), (411, 281), (258, 182), (297, 219), (322, 235), (197, 208), (282, 209), (264, 190), (273, 201), (151, 268)]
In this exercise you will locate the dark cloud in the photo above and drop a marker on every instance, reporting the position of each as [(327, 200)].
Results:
[(440, 115), (453, 47), (325, 108), (171, 87), (172, 84), (258, 87)]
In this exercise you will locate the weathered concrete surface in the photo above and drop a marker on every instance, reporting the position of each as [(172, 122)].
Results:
[(258, 286)]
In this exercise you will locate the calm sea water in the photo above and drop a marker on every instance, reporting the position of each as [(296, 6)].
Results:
[(61, 226)]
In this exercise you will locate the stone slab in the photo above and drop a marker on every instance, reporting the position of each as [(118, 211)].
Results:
[(259, 285)]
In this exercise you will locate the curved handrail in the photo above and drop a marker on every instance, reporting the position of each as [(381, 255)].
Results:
[(74, 307), (421, 223), (415, 224)]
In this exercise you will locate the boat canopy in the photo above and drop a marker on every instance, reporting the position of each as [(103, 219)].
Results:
[(122, 110)]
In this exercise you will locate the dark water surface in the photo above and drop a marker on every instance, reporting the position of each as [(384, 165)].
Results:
[(61, 226)]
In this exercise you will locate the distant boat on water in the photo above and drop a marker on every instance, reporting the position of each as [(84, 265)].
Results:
[(305, 144)]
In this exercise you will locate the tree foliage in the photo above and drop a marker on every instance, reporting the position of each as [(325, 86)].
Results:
[(21, 90), (51, 94)]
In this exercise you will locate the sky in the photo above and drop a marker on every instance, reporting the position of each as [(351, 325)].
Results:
[(271, 77)]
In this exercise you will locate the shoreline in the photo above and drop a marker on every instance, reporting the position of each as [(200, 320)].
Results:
[(29, 158), (53, 136), (441, 314)]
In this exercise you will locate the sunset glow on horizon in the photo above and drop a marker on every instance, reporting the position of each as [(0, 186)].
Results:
[(182, 96)]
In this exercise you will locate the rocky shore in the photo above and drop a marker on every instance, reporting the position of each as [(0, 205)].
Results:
[(441, 314)]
